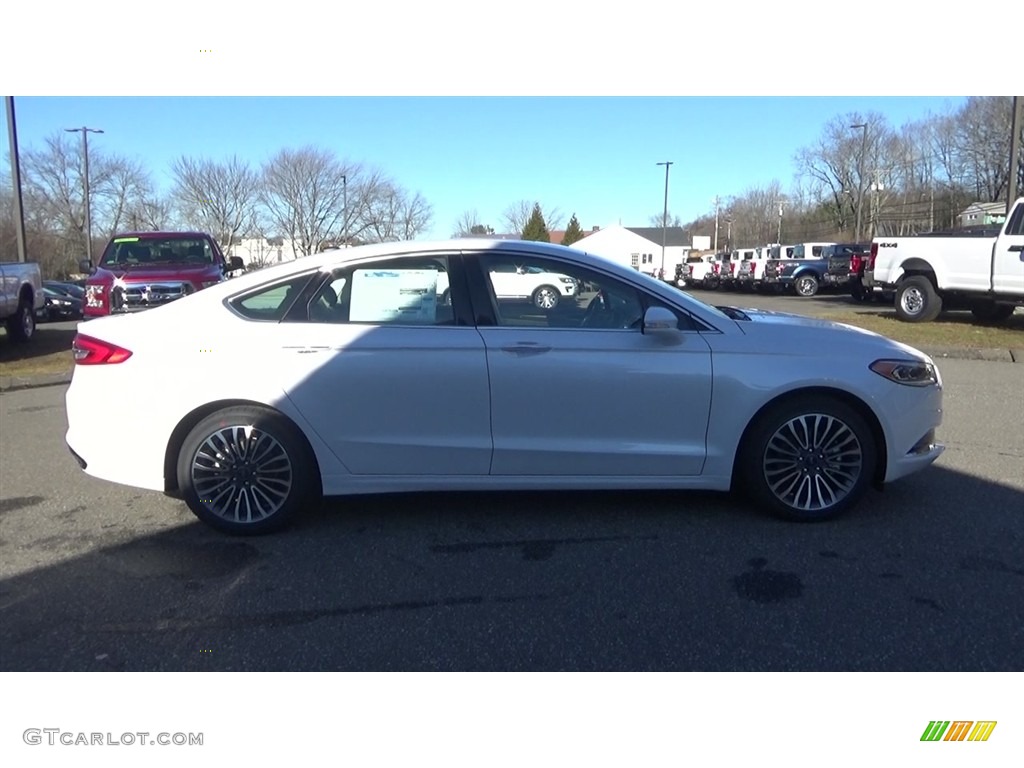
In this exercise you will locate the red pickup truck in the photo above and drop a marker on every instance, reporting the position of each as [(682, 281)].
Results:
[(139, 270)]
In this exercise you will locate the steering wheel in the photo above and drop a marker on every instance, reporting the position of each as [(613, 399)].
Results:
[(598, 306)]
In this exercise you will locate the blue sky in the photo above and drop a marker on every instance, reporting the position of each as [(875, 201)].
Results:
[(595, 156)]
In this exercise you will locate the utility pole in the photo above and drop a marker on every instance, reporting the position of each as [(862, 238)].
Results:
[(19, 212), (1017, 127), (860, 174), (344, 208), (778, 237), (716, 202), (85, 157), (664, 221)]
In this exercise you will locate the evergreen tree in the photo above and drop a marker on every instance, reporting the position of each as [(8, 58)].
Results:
[(573, 232), (536, 229)]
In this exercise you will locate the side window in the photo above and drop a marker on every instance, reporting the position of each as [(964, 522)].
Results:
[(541, 293), (393, 292), (270, 302), (1016, 225)]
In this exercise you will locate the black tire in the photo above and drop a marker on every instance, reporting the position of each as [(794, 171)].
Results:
[(21, 326), (710, 283), (546, 297), (917, 301), (805, 285), (990, 312), (446, 298), (859, 293), (216, 480), (778, 470)]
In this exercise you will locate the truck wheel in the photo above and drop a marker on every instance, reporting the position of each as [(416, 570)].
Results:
[(917, 301), (990, 312), (806, 285), (21, 327)]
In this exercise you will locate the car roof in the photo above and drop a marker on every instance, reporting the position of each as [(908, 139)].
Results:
[(152, 235)]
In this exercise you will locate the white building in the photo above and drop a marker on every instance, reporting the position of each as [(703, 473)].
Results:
[(263, 251), (639, 247)]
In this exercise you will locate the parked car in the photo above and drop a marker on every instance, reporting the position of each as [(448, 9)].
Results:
[(67, 288), (343, 373), (21, 297), (801, 276), (59, 306), (518, 282), (980, 270), (846, 262), (141, 270)]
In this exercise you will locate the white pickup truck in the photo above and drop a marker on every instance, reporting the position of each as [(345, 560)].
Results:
[(928, 273), (21, 296)]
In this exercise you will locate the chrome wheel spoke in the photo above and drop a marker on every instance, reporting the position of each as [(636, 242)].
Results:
[(242, 474), (812, 462)]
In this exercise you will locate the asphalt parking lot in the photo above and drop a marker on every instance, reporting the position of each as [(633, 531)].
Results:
[(926, 575)]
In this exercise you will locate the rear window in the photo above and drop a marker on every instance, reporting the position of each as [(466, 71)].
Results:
[(144, 251), (270, 302)]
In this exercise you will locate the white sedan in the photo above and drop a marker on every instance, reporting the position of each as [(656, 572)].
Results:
[(344, 373)]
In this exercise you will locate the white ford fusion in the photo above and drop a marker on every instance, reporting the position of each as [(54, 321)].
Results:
[(345, 373)]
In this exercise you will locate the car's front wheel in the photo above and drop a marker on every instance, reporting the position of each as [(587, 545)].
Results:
[(246, 470), (808, 459), (546, 297)]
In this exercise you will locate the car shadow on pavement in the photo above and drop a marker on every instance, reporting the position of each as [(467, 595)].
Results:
[(926, 575), (45, 341)]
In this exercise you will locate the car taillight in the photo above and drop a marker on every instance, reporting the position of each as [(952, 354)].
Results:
[(753, 268), (91, 351), (874, 255), (855, 263)]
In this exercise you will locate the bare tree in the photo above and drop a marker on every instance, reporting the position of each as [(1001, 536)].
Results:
[(54, 191), (672, 221), (394, 214), (219, 198), (469, 224), (518, 214), (304, 193)]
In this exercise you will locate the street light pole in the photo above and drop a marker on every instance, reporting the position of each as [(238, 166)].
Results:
[(85, 158), (19, 211), (716, 201), (664, 220), (860, 174)]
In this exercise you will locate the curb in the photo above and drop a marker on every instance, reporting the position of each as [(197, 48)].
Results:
[(15, 383)]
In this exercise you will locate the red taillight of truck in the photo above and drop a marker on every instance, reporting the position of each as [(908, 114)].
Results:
[(874, 255)]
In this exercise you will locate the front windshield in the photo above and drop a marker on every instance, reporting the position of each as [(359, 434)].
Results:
[(143, 251)]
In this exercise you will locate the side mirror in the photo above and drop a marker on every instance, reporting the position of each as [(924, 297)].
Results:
[(235, 262), (662, 323), (85, 266)]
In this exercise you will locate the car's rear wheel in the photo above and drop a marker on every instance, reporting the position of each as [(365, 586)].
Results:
[(246, 470), (806, 285), (917, 300), (546, 297), (22, 325), (808, 459)]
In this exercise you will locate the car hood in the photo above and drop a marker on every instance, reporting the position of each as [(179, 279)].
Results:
[(814, 335), (157, 273)]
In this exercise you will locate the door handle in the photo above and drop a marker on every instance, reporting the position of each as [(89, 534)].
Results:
[(1016, 248), (525, 349)]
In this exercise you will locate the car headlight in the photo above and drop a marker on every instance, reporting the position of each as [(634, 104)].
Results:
[(913, 373), (94, 295)]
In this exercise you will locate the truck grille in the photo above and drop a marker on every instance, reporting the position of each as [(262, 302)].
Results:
[(139, 296)]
